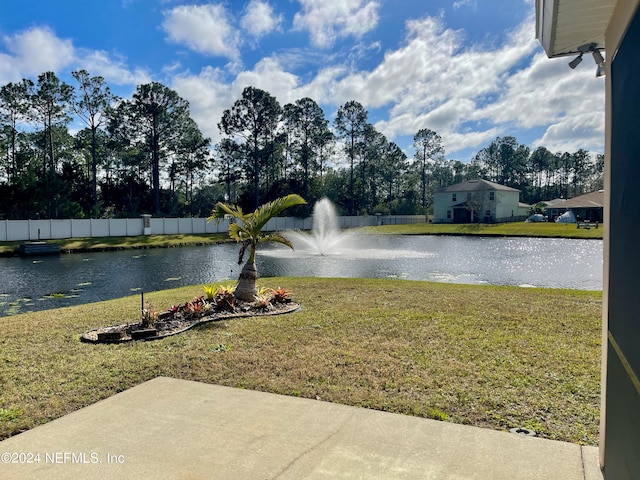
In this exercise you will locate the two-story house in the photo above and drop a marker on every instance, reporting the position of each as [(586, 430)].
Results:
[(476, 201)]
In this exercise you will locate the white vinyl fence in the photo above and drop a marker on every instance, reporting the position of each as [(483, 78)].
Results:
[(19, 230)]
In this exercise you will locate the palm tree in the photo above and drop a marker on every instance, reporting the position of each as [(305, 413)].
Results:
[(248, 232)]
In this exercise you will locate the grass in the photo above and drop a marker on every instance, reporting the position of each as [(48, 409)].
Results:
[(98, 244), (522, 229), (495, 357)]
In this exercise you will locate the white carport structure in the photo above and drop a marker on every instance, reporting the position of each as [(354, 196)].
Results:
[(572, 27)]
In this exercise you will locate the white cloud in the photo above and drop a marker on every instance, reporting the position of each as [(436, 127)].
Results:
[(323, 88), (114, 70), (203, 28), (425, 59), (465, 3), (38, 50), (548, 93), (259, 19), (569, 134), (8, 70), (469, 139), (32, 52), (328, 21), (435, 78), (434, 81), (269, 75), (469, 94), (208, 97), (209, 94)]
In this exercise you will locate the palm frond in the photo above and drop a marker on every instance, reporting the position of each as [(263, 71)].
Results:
[(220, 210), (248, 227), (271, 209), (275, 238), (238, 232)]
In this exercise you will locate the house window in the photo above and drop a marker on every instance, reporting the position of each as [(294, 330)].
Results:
[(487, 213), (453, 197), (492, 196), (449, 214)]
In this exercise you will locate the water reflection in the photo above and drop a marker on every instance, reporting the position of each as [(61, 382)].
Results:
[(29, 284), (554, 263)]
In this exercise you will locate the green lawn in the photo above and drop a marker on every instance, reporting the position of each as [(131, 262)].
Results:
[(523, 229), (99, 244), (495, 357)]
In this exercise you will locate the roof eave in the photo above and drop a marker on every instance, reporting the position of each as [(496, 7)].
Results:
[(563, 26)]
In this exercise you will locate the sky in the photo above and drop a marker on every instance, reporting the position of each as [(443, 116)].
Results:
[(470, 70)]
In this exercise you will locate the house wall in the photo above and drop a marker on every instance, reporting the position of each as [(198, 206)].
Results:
[(553, 213), (620, 410), (441, 203), (502, 207), (507, 204)]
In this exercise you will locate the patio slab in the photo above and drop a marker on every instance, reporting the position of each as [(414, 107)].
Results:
[(177, 429)]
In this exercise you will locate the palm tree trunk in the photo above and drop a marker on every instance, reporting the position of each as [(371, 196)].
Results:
[(247, 289)]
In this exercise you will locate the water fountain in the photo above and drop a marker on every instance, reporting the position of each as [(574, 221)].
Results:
[(325, 237)]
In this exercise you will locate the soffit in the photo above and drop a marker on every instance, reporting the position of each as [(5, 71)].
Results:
[(564, 25)]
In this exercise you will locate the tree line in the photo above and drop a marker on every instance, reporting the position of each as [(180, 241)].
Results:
[(146, 154)]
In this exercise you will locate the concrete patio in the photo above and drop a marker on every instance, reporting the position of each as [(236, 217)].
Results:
[(177, 429)]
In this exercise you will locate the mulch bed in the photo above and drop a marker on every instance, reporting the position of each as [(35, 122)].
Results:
[(168, 324)]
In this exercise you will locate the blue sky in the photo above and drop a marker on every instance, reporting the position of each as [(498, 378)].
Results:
[(471, 70)]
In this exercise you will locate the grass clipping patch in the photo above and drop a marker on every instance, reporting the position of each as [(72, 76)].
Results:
[(496, 357)]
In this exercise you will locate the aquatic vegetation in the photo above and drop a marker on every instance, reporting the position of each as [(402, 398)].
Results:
[(55, 295)]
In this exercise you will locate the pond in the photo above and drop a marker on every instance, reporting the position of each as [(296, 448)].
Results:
[(30, 284)]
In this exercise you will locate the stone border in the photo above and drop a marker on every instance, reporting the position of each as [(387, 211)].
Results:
[(90, 336)]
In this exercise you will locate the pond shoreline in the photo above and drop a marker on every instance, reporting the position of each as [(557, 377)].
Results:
[(493, 235), (113, 248), (12, 249)]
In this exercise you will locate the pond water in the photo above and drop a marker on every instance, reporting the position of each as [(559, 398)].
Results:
[(29, 284)]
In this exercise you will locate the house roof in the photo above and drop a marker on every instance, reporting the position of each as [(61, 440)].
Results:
[(588, 200), (554, 202), (562, 26), (478, 185)]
